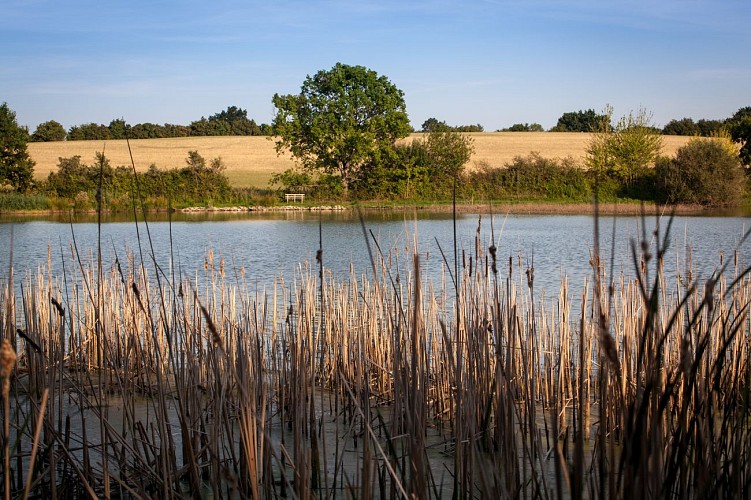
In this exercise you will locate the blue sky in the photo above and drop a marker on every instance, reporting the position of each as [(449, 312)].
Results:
[(493, 62)]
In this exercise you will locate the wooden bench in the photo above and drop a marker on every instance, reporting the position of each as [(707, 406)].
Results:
[(294, 197)]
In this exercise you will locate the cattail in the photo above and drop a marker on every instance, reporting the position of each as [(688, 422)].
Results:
[(7, 362)]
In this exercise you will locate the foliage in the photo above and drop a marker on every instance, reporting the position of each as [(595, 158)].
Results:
[(581, 121), (195, 183), (118, 129), (10, 202), (422, 169), (709, 128), (469, 128), (154, 131), (16, 167), (49, 131), (704, 171), (524, 127), (684, 126), (687, 127), (446, 153), (531, 176), (433, 125), (627, 151), (740, 130), (342, 120), (292, 179), (231, 122), (88, 132)]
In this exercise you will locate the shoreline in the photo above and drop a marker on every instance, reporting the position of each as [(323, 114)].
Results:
[(520, 208)]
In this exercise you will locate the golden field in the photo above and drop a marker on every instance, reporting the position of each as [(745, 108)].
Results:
[(251, 161)]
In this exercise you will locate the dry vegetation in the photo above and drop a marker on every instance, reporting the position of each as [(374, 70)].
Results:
[(141, 386), (251, 161)]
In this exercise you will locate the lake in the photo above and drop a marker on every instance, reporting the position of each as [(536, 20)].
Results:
[(263, 247)]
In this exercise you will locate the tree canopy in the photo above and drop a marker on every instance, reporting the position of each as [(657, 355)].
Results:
[(524, 127), (49, 131), (16, 167), (433, 125), (580, 121), (740, 130), (684, 126), (342, 119), (232, 121), (626, 151)]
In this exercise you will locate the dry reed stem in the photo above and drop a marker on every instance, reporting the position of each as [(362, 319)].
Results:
[(501, 379)]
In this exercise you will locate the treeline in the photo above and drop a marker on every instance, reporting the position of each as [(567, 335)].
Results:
[(434, 125), (233, 121), (591, 121)]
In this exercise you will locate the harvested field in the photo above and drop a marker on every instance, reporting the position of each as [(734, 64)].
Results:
[(251, 161)]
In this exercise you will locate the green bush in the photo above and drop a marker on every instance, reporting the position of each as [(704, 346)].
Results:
[(194, 184), (531, 176), (705, 172)]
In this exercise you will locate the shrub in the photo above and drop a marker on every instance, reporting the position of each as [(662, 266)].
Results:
[(195, 183), (531, 176), (703, 171), (627, 151)]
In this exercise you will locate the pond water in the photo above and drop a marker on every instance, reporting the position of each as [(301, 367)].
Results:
[(267, 246)]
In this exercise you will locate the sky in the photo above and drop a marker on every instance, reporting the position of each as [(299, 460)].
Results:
[(488, 62)]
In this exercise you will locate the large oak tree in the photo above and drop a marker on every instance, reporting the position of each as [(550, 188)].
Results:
[(342, 120)]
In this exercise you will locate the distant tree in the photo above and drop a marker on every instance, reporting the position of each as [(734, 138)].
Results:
[(524, 127), (118, 129), (16, 167), (740, 130), (204, 127), (469, 128), (147, 131), (49, 131), (88, 132), (684, 126), (704, 171), (170, 130), (709, 128), (266, 129), (580, 121), (626, 151), (232, 121), (433, 125), (231, 114), (343, 119)]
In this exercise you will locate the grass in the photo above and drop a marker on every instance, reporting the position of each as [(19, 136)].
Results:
[(251, 161), (14, 202), (134, 384)]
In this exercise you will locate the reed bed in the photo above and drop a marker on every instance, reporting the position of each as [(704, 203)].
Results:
[(120, 382)]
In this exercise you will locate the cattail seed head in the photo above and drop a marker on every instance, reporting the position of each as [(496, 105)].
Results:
[(7, 362)]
